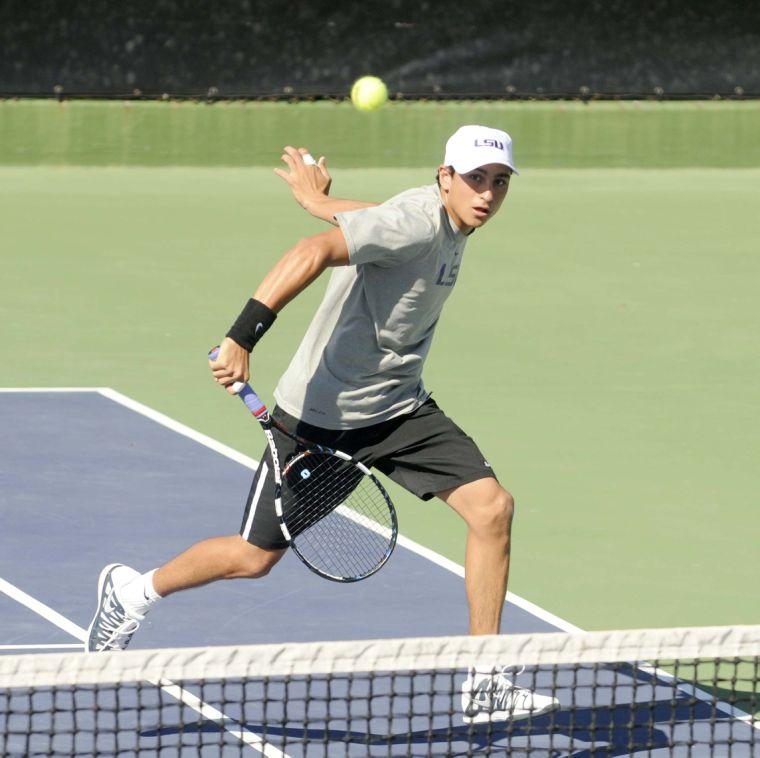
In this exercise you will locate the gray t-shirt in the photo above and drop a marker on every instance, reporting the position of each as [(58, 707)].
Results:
[(361, 359)]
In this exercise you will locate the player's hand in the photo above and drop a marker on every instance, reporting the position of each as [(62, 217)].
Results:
[(231, 365), (309, 184)]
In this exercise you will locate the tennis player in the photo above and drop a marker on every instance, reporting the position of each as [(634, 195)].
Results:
[(355, 383)]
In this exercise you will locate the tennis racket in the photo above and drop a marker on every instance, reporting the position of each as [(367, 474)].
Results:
[(333, 511)]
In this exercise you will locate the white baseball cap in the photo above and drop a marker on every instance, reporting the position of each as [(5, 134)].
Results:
[(473, 146)]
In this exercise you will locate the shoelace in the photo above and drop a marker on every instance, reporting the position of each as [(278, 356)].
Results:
[(506, 695), (114, 627)]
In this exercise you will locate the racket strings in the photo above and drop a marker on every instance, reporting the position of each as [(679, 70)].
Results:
[(339, 546), (338, 517), (364, 505), (330, 483), (342, 551), (315, 486)]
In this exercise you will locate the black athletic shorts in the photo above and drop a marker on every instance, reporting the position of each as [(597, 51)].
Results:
[(423, 451)]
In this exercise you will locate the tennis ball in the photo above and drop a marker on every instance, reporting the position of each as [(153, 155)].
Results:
[(369, 93)]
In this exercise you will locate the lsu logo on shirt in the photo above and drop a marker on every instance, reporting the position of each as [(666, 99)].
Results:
[(447, 275)]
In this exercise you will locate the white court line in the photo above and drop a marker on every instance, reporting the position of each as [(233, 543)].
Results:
[(150, 413), (44, 646), (179, 428), (55, 618), (237, 730), (455, 568), (51, 389)]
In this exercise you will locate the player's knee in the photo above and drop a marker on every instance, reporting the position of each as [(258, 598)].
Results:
[(503, 511), (257, 571), (507, 506), (256, 562), (494, 515)]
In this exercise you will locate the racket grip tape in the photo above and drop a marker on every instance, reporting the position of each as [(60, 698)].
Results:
[(244, 391)]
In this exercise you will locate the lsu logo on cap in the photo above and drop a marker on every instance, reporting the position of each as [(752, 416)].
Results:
[(489, 142)]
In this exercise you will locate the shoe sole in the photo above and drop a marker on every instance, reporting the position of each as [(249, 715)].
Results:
[(101, 583), (501, 716)]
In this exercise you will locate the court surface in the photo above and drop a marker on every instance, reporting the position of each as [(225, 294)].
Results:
[(631, 458), (91, 477)]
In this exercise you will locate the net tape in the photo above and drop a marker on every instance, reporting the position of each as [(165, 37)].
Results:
[(408, 654)]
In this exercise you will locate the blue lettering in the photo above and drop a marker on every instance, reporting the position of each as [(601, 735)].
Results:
[(450, 280), (489, 142)]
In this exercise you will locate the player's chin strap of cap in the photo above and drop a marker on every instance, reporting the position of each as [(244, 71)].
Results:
[(252, 323)]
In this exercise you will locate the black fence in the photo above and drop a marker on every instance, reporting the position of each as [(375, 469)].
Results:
[(429, 48)]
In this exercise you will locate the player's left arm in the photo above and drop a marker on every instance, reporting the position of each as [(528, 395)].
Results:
[(310, 185)]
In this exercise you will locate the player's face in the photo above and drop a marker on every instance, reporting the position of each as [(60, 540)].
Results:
[(472, 198)]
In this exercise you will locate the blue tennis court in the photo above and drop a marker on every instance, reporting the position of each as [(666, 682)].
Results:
[(90, 477), (89, 481)]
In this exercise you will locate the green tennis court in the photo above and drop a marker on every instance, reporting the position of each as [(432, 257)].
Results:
[(601, 344)]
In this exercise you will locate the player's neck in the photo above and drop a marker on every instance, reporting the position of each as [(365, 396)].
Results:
[(453, 216)]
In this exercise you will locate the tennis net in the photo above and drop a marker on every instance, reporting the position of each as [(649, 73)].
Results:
[(640, 692)]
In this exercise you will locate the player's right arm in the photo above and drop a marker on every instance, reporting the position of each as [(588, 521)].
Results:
[(292, 274), (300, 266), (310, 185)]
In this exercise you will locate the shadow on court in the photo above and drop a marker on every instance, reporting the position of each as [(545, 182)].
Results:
[(578, 732)]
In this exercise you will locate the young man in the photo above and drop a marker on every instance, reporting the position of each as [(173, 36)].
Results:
[(355, 383)]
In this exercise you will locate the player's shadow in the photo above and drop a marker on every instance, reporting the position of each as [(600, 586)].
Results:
[(610, 731)]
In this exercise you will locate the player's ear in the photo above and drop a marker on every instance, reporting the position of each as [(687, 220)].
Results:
[(445, 174)]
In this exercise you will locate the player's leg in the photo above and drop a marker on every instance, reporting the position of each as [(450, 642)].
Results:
[(210, 560), (125, 596), (489, 693), (429, 455), (487, 508)]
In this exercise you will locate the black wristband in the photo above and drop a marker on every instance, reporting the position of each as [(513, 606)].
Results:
[(250, 325)]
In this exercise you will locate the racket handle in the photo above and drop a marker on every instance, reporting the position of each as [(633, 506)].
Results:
[(244, 391), (251, 399)]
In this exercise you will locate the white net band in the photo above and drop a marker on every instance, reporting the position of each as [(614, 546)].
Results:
[(414, 654)]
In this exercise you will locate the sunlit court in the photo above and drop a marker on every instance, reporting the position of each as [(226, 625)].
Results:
[(596, 361)]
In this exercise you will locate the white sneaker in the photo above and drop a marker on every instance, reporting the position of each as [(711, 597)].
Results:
[(113, 625), (493, 697)]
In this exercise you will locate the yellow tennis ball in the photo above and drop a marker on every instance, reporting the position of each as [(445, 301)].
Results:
[(369, 93)]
